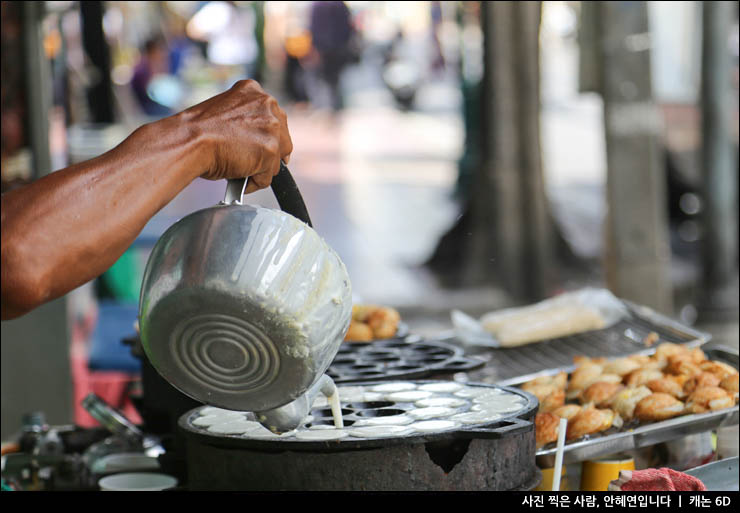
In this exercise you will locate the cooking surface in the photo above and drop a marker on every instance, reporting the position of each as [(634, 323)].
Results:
[(395, 410), (399, 358)]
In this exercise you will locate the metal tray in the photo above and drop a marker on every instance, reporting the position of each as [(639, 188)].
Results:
[(516, 365), (718, 476), (618, 440), (409, 357)]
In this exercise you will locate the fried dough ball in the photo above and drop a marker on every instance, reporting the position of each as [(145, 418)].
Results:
[(625, 401), (650, 339), (719, 369), (583, 360), (658, 406), (666, 385), (706, 399), (582, 377), (559, 380), (552, 401), (642, 359), (360, 312), (703, 379), (622, 366), (546, 428), (697, 355), (588, 421), (730, 383), (549, 396), (669, 349), (567, 411), (682, 364), (358, 332), (641, 376), (600, 393), (681, 379), (384, 322)]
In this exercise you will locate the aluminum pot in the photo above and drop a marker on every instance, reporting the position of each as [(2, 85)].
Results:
[(244, 307)]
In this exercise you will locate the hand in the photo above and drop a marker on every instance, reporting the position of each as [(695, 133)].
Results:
[(247, 134)]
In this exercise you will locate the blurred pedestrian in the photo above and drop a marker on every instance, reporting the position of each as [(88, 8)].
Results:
[(331, 35), (154, 60)]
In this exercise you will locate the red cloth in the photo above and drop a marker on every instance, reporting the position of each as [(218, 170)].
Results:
[(656, 480)]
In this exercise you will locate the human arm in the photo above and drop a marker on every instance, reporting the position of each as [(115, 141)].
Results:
[(72, 225)]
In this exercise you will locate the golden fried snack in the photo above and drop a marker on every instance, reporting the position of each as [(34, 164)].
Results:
[(651, 339), (641, 376), (640, 359), (559, 380), (358, 332), (658, 406), (553, 400), (669, 349), (622, 366), (567, 411), (706, 399), (682, 364), (549, 396), (624, 402), (600, 393), (666, 385), (540, 391), (730, 383), (384, 322), (546, 428), (588, 421), (360, 312), (681, 379), (582, 360), (719, 369), (582, 377), (703, 379), (697, 355)]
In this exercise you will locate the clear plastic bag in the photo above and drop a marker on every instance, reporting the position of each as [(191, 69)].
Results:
[(566, 314)]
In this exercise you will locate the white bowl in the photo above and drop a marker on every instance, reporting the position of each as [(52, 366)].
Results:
[(137, 482)]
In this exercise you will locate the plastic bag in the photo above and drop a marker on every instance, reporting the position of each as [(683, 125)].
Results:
[(566, 314)]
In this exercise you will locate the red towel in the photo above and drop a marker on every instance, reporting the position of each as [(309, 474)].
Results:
[(655, 480)]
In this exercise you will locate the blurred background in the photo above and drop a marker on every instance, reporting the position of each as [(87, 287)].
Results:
[(469, 155)]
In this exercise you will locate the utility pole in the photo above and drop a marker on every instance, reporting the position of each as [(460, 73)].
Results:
[(510, 226), (638, 255), (719, 165)]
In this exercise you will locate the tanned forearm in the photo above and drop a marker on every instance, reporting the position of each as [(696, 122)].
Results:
[(108, 200), (70, 226)]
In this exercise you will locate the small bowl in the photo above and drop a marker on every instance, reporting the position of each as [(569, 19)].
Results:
[(137, 482)]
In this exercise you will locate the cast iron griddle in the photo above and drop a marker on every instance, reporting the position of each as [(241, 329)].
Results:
[(408, 357), (496, 428)]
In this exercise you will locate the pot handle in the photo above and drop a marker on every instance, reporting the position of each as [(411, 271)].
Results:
[(283, 187)]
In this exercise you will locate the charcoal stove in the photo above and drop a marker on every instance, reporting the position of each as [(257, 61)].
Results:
[(437, 435)]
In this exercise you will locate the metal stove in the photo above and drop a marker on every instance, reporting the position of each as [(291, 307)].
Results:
[(471, 447)]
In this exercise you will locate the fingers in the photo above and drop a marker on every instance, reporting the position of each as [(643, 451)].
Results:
[(258, 182), (285, 141)]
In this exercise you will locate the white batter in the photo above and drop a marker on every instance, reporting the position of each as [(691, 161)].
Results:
[(436, 407), (408, 396)]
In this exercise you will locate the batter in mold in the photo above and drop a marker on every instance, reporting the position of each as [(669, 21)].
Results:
[(409, 409)]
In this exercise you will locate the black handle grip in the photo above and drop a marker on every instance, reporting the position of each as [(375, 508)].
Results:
[(288, 196)]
